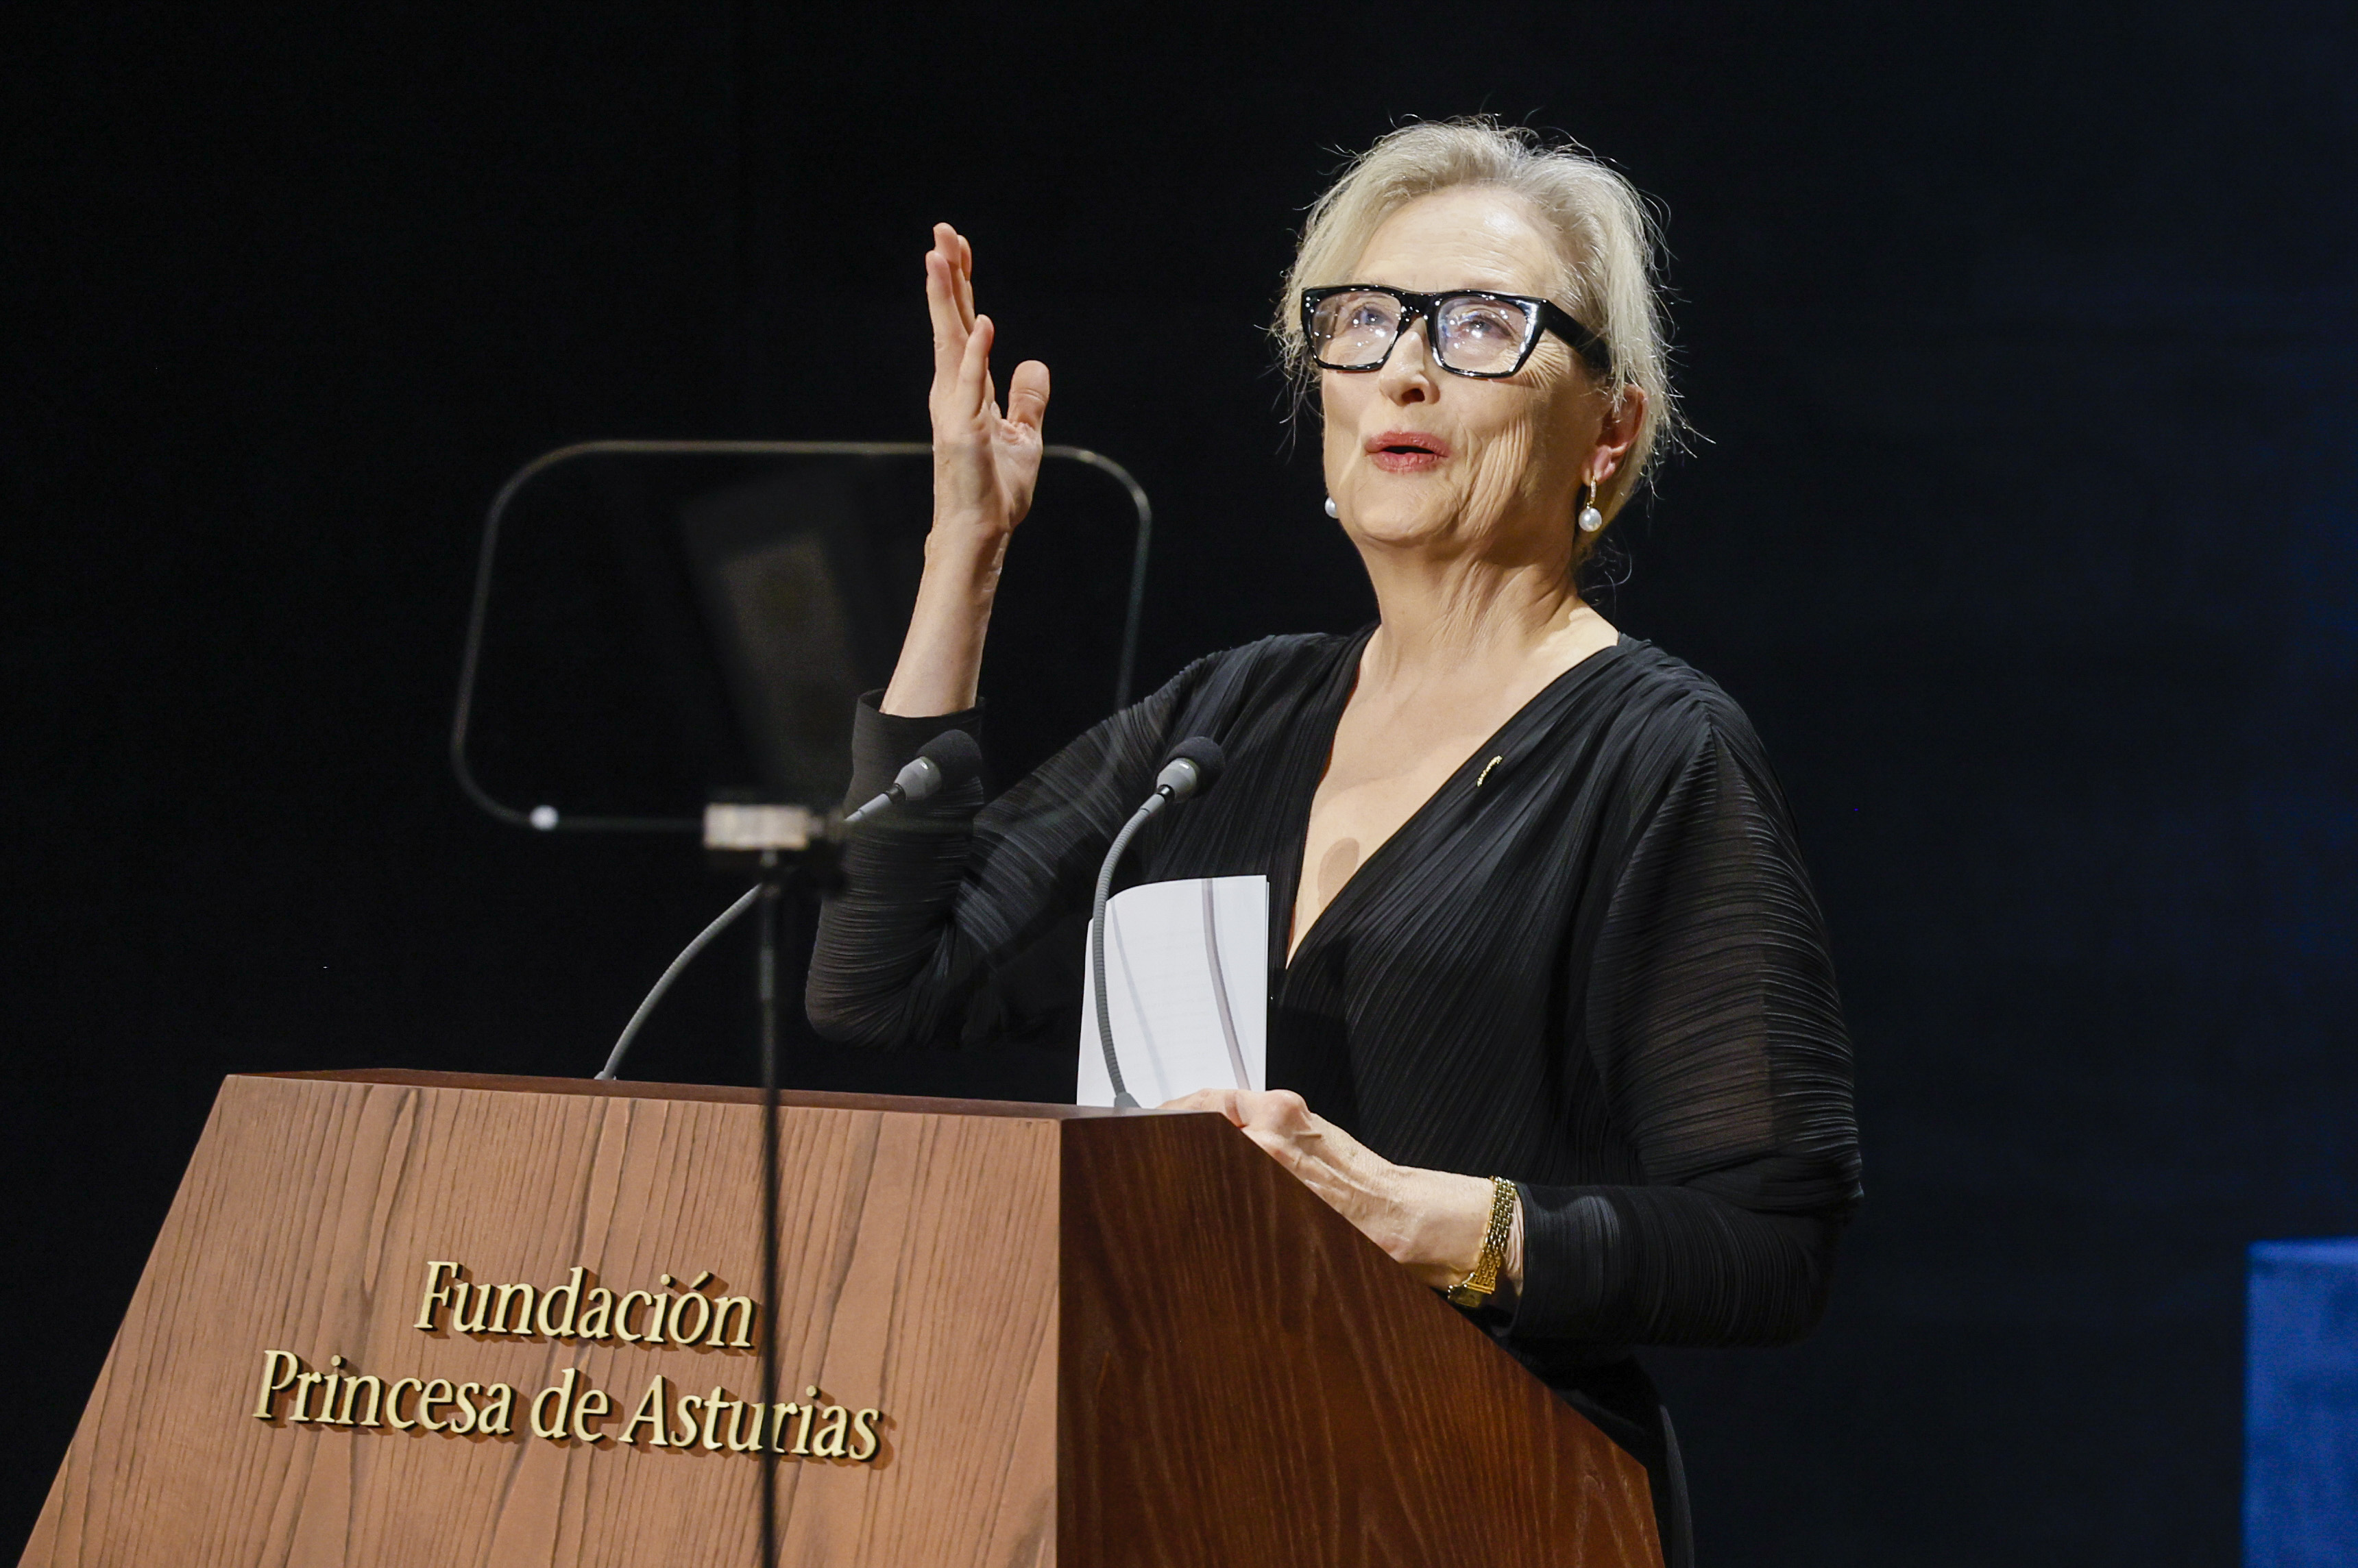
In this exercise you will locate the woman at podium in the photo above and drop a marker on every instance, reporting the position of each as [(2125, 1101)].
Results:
[(1553, 1017)]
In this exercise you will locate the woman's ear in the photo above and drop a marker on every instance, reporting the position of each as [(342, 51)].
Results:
[(1625, 415)]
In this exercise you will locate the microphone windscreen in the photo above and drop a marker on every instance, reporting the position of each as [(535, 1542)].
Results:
[(1203, 754), (954, 753)]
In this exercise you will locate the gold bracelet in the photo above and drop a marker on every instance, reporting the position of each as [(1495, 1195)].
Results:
[(1477, 1287)]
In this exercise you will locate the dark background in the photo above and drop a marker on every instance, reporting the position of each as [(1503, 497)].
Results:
[(2021, 341)]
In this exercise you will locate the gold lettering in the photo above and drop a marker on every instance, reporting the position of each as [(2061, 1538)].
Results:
[(352, 1393), (650, 1411), (830, 1432), (749, 1438), (778, 1414), (464, 1399), (571, 1291), (743, 1307), (801, 1450), (278, 1369), (460, 1321), (623, 1318), (499, 1415), (687, 1439), (429, 1399), (597, 1307), (392, 1403), (863, 1430), (591, 1406), (545, 1425), (680, 1311), (303, 1386), (437, 1293), (713, 1405), (513, 1293)]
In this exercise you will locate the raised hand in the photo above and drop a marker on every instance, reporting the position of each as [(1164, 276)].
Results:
[(985, 461)]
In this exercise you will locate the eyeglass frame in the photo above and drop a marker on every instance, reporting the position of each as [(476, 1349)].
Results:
[(1541, 315)]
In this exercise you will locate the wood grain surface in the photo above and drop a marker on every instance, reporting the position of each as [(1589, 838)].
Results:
[(918, 1263), (1247, 1381), (1099, 1338)]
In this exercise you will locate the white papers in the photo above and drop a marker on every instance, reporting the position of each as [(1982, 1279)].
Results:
[(1187, 975)]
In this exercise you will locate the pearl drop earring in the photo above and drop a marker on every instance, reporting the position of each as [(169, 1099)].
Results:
[(1330, 508), (1591, 519)]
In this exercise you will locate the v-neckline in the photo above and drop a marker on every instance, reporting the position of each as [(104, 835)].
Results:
[(1342, 684)]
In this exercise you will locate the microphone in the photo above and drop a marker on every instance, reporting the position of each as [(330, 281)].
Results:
[(949, 758), (1194, 764)]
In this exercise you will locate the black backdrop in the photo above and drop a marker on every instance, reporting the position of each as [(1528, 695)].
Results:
[(2021, 344)]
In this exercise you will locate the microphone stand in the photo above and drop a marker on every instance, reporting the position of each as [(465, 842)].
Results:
[(790, 845), (1122, 1099), (1194, 764), (770, 907)]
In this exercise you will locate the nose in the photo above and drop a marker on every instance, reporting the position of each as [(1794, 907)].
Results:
[(1407, 372)]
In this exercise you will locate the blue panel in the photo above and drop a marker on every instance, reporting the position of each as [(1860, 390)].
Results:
[(2301, 1433)]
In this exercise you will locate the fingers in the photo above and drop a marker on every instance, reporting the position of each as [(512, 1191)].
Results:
[(1279, 1110), (1027, 395), (957, 277), (949, 301), (965, 274), (941, 304), (974, 369), (1221, 1100)]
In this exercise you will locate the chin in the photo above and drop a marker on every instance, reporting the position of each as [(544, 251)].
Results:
[(1398, 528)]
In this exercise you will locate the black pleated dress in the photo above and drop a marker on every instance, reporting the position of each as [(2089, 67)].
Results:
[(1591, 963)]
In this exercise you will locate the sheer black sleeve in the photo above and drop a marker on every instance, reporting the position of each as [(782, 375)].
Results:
[(942, 901), (1711, 1020)]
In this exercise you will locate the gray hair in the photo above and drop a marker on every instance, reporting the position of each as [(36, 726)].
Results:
[(1605, 234)]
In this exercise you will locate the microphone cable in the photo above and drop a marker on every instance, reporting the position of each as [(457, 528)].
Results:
[(1194, 764)]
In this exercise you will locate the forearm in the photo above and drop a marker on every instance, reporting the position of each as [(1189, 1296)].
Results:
[(887, 949), (944, 904), (940, 665), (1670, 1265), (1430, 1222), (1435, 1224)]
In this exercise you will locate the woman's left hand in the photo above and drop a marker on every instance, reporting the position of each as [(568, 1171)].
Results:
[(1431, 1221)]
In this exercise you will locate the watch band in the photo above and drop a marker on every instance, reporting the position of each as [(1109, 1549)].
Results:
[(1478, 1286)]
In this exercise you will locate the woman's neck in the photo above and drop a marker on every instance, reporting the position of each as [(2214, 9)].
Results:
[(1465, 617)]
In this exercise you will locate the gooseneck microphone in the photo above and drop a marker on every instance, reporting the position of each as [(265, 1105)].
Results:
[(949, 758), (1194, 764)]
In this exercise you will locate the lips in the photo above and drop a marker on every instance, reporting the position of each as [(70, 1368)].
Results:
[(1406, 451)]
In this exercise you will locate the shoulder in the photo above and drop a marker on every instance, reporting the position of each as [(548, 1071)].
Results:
[(1669, 698)]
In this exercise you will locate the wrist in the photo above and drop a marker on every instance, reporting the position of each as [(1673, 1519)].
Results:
[(1493, 1268), (1443, 1218), (965, 537), (941, 656)]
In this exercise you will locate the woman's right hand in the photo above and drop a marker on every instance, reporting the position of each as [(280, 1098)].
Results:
[(986, 462)]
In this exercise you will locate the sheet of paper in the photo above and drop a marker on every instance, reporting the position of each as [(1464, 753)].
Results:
[(1187, 975)]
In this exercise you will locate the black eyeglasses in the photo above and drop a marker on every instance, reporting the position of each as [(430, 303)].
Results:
[(1472, 332)]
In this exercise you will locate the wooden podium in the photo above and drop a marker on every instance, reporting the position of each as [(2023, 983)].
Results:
[(1007, 1333)]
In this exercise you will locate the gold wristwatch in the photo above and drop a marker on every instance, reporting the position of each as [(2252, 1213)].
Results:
[(1477, 1287)]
